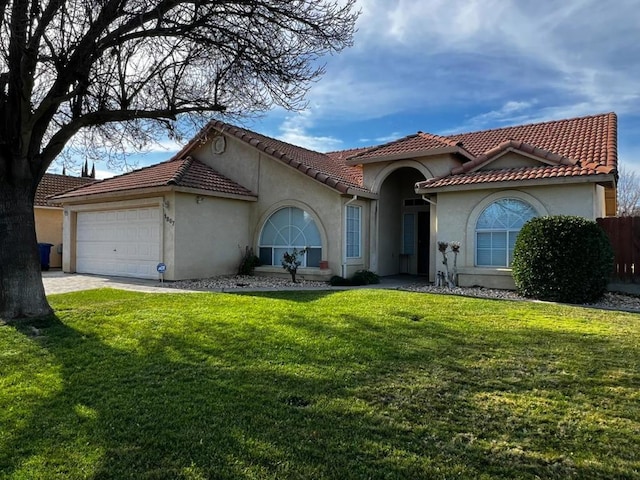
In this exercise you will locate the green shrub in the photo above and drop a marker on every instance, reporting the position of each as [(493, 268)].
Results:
[(361, 277), (562, 258), (248, 263), (338, 281), (364, 277)]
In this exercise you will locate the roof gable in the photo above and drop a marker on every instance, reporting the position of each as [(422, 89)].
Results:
[(330, 169), (544, 157)]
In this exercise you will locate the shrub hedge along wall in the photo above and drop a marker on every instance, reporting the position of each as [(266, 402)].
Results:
[(563, 259)]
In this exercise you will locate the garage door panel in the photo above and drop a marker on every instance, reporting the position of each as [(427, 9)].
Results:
[(119, 242)]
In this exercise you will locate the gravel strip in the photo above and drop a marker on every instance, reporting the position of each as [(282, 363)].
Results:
[(246, 282), (612, 301)]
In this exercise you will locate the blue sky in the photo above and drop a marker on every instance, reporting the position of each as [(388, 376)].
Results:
[(445, 66)]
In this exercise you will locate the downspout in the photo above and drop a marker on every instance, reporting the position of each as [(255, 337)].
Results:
[(344, 245), (427, 199)]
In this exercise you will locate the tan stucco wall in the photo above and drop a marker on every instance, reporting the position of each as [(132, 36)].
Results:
[(511, 160), (239, 162), (374, 174), (462, 209), (49, 230), (210, 235), (277, 186)]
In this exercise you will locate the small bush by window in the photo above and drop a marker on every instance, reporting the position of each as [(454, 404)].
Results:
[(562, 258)]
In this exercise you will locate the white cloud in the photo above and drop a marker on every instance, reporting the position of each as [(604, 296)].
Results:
[(294, 130), (102, 174), (381, 139), (412, 55)]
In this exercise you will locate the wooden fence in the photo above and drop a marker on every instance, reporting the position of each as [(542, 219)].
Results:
[(624, 233)]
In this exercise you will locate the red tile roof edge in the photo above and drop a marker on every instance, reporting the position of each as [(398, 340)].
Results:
[(535, 173), (181, 171), (612, 140)]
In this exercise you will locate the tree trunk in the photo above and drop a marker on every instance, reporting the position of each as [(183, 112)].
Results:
[(21, 289)]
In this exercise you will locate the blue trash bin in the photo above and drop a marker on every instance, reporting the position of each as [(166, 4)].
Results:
[(45, 254)]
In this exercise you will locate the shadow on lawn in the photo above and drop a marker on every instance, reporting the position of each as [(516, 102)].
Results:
[(420, 400), (301, 296)]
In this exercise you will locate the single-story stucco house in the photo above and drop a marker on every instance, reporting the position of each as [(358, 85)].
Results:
[(383, 208), (48, 217)]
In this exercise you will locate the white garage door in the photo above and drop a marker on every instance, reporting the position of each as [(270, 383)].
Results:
[(123, 243)]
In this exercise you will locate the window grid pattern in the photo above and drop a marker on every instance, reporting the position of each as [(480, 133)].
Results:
[(353, 231), (497, 229), (286, 229)]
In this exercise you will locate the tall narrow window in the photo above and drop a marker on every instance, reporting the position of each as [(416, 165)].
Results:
[(497, 229), (286, 229), (408, 233), (353, 231)]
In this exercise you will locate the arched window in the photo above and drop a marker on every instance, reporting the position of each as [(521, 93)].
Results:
[(497, 229), (286, 229)]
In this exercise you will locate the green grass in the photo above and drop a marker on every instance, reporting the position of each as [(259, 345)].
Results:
[(357, 384)]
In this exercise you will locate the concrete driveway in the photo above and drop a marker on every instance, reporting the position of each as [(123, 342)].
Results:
[(59, 282)]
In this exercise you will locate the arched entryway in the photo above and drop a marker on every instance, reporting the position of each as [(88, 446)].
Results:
[(403, 225)]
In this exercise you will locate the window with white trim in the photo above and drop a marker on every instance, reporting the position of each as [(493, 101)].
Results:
[(353, 231), (497, 229), (286, 229)]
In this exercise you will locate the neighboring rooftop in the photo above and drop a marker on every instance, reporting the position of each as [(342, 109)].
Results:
[(54, 184)]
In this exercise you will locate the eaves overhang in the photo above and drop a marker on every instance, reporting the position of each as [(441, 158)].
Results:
[(135, 193), (605, 180), (412, 154)]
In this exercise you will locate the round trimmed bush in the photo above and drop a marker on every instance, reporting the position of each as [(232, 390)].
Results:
[(364, 277), (563, 259)]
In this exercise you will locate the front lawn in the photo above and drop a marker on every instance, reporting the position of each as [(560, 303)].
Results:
[(312, 385)]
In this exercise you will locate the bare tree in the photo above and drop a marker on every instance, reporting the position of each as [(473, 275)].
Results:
[(108, 72), (628, 193)]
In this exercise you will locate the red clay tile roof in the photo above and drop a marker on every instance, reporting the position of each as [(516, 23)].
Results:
[(581, 146), (329, 169), (586, 139), (418, 143), (187, 172), (576, 147), (54, 184)]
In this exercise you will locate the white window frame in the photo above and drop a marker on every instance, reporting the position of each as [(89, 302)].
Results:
[(357, 232), (510, 232), (289, 247)]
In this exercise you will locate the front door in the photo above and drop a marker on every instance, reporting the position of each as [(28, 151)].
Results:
[(423, 242)]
